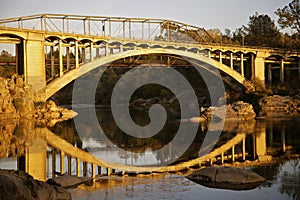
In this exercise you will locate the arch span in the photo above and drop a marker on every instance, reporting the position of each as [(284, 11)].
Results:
[(62, 81)]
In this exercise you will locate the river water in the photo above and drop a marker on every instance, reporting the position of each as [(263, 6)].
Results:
[(270, 147)]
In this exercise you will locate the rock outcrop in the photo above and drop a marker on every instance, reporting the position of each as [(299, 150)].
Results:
[(238, 111), (15, 185), (15, 136), (227, 178), (49, 113), (17, 98), (278, 106)]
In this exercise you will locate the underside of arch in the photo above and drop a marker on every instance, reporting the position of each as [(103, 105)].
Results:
[(206, 62)]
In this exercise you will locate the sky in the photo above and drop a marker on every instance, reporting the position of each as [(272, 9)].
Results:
[(209, 14)]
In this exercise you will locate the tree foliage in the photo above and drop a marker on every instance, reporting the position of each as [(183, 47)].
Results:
[(260, 31), (289, 16)]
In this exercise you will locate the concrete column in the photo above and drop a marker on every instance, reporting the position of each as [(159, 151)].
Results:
[(121, 48), (97, 52), (68, 58), (52, 60), (62, 162), (78, 167), (269, 65), (35, 70), (282, 71), (106, 50), (61, 70), (233, 153), (208, 53), (76, 55), (91, 51), (93, 170), (260, 141), (231, 60), (35, 159), (220, 57), (242, 64), (244, 148), (108, 171), (259, 66), (254, 146)]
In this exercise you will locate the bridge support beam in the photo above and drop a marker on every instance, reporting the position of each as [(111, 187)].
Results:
[(61, 70), (231, 60), (76, 54), (68, 58), (242, 64), (52, 59), (78, 167), (62, 162), (91, 51)]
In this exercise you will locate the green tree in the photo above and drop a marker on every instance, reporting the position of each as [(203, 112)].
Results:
[(289, 16), (260, 31)]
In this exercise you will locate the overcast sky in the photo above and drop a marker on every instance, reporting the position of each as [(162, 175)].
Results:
[(208, 14)]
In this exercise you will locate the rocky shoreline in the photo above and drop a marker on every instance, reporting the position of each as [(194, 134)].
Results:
[(269, 106), (15, 185), (18, 100)]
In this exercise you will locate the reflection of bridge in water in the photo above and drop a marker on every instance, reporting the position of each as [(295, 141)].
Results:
[(52, 154), (52, 50)]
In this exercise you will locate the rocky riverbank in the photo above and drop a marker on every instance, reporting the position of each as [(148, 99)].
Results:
[(269, 106), (279, 106), (15, 185), (18, 100)]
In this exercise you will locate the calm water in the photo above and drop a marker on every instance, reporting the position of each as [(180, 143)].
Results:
[(272, 150)]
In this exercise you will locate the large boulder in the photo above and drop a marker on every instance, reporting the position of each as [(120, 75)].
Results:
[(227, 178), (16, 185), (69, 181), (240, 111)]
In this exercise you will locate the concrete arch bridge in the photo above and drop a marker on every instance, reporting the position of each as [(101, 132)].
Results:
[(54, 49)]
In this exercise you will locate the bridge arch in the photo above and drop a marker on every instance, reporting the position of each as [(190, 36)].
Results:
[(62, 81)]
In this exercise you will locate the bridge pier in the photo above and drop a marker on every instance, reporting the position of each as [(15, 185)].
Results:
[(34, 62), (259, 66)]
